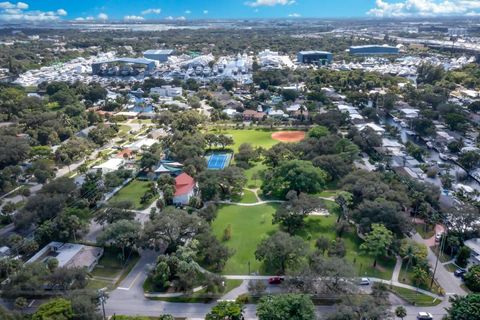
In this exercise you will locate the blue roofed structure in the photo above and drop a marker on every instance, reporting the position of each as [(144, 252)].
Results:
[(160, 55), (149, 64)]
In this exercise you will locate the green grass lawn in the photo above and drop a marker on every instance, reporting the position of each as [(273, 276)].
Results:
[(252, 172), (425, 231), (249, 226), (110, 267), (414, 297), (133, 192), (318, 226), (248, 197), (257, 138)]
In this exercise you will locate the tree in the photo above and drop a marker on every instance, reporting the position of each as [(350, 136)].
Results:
[(472, 278), (401, 312), (469, 160), (464, 308), (21, 303), (377, 242), (226, 310), (122, 234), (318, 132), (172, 228), (412, 252), (297, 175), (13, 150), (286, 306), (322, 244), (281, 251), (463, 256), (57, 309), (291, 214), (211, 252)]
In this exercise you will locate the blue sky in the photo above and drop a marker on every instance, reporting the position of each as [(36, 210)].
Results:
[(138, 10)]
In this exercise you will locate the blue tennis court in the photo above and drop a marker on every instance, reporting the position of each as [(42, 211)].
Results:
[(218, 161)]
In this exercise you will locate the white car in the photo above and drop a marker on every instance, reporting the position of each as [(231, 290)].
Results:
[(365, 282), (424, 316)]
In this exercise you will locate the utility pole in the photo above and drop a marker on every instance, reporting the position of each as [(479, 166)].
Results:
[(102, 296)]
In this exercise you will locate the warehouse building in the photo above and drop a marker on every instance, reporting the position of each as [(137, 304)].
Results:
[(158, 55), (373, 50), (315, 57)]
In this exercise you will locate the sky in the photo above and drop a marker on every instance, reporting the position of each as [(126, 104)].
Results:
[(142, 10)]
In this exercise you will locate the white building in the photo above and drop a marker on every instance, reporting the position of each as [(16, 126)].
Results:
[(110, 165), (142, 143), (70, 255), (167, 91), (474, 245)]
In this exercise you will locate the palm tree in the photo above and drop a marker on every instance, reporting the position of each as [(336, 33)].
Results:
[(409, 255), (401, 312)]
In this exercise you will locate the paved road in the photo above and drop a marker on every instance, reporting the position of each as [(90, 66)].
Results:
[(447, 280), (129, 299)]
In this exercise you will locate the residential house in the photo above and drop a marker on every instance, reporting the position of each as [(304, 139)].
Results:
[(110, 165), (474, 245), (69, 255), (249, 115), (184, 189)]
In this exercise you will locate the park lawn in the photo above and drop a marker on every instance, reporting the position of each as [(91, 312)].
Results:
[(133, 192), (110, 265), (250, 225), (254, 172), (257, 138), (317, 226), (414, 297), (247, 197)]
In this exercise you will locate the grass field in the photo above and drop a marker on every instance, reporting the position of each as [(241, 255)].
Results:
[(110, 269), (133, 192), (407, 276), (257, 138), (415, 298), (247, 197), (252, 173), (250, 225)]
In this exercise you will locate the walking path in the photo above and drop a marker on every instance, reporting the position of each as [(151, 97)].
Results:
[(397, 269)]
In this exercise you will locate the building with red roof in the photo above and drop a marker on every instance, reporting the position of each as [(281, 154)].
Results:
[(184, 189)]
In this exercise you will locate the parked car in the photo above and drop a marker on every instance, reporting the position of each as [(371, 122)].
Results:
[(275, 280), (364, 282), (424, 316), (460, 272)]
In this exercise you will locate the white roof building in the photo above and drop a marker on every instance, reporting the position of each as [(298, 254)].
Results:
[(139, 144), (70, 255), (371, 125), (110, 165)]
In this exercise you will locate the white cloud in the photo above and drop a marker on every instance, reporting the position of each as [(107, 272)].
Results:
[(61, 12), (133, 18), (269, 3), (188, 12), (294, 15), (18, 12), (408, 8), (89, 18), (181, 18), (152, 11), (102, 16), (205, 11), (10, 5)]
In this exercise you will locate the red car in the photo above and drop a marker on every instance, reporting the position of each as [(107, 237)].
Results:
[(275, 280)]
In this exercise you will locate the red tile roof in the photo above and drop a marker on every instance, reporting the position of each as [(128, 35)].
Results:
[(183, 184)]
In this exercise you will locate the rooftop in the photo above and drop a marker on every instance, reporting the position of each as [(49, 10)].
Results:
[(183, 184), (159, 51)]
